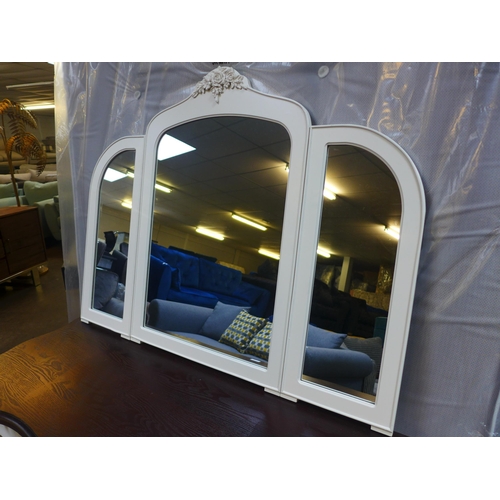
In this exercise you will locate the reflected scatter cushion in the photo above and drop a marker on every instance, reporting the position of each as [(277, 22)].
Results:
[(6, 178), (37, 191), (317, 337), (259, 345), (104, 287), (7, 191), (218, 322), (242, 330), (45, 176)]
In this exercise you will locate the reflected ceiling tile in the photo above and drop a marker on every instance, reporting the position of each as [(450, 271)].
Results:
[(261, 132), (220, 143), (181, 161), (249, 161), (194, 129), (201, 190), (350, 165), (278, 191), (256, 195), (281, 150), (232, 184), (225, 202), (205, 171), (341, 150), (269, 177), (174, 178), (363, 183), (228, 121)]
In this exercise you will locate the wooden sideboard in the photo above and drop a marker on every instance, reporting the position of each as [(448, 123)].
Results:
[(22, 246)]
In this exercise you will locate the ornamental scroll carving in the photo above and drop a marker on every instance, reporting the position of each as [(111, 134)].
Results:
[(219, 80)]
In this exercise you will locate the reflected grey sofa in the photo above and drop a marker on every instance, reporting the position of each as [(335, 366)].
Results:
[(326, 357)]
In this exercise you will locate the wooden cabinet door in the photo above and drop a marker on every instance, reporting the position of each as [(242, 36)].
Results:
[(22, 239)]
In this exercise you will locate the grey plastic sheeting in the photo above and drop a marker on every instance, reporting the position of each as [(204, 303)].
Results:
[(444, 115)]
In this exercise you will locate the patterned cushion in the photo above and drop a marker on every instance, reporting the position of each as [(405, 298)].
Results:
[(259, 345), (219, 321), (241, 331)]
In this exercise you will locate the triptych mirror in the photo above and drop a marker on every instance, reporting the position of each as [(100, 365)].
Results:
[(237, 235)]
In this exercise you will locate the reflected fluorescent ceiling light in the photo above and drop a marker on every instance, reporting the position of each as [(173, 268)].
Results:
[(113, 175), (212, 234), (127, 204), (328, 193), (34, 107), (165, 189), (160, 187), (249, 222), (392, 231), (268, 253), (170, 147), (323, 252)]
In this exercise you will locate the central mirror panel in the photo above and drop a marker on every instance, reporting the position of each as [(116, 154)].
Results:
[(358, 240), (217, 221)]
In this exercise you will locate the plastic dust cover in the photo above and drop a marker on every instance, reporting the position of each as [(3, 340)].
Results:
[(444, 115)]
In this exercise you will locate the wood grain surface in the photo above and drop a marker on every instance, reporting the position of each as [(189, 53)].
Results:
[(81, 380)]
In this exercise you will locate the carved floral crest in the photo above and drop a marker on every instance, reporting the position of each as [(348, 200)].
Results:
[(219, 80)]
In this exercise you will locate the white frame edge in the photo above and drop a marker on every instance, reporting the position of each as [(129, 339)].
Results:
[(381, 414), (88, 313)]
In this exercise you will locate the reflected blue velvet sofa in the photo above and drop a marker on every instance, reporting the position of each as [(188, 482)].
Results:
[(326, 356), (190, 278)]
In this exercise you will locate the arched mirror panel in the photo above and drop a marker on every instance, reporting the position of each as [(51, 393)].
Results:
[(217, 219), (364, 208), (355, 260), (105, 296), (222, 216)]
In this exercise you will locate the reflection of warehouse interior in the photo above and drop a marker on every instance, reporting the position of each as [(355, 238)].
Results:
[(239, 167)]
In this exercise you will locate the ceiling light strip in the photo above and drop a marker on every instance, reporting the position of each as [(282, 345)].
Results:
[(21, 85), (392, 231), (211, 234), (165, 189), (323, 252), (327, 193), (249, 222), (268, 253), (33, 107)]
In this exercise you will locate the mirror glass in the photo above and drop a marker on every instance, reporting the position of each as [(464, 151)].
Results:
[(115, 203), (216, 235), (353, 273)]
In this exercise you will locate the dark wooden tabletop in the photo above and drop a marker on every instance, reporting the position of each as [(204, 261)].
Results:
[(82, 380)]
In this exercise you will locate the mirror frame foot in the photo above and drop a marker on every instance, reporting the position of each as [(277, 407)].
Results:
[(280, 394), (385, 432)]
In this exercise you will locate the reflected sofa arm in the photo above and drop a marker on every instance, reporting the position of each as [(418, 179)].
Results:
[(340, 366), (177, 316)]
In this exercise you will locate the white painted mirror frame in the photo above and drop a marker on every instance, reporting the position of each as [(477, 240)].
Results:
[(250, 103), (88, 313), (303, 205), (381, 414)]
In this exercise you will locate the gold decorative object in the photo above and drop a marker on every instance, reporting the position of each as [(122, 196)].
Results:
[(21, 141)]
